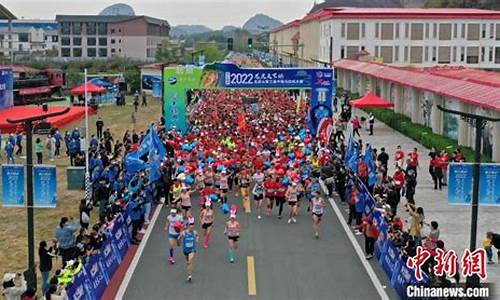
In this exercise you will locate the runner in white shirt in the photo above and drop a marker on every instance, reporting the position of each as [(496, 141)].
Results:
[(173, 226), (317, 208)]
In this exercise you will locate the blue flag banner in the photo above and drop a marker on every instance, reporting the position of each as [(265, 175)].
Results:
[(372, 169), (389, 259), (146, 143), (13, 185), (120, 239), (128, 225), (402, 279), (133, 163), (379, 248), (109, 257), (45, 186), (156, 156), (460, 183), (96, 275), (80, 289), (489, 184), (6, 88)]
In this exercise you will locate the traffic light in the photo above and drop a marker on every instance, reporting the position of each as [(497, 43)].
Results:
[(230, 44), (250, 43)]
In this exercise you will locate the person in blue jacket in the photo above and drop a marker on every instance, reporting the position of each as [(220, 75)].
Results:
[(74, 149), (94, 143), (67, 141), (65, 238), (19, 143), (136, 212), (12, 139), (75, 134), (9, 152)]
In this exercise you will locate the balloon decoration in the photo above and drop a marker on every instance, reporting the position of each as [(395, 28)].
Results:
[(225, 208), (189, 180)]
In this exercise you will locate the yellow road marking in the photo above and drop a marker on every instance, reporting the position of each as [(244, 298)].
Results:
[(252, 288)]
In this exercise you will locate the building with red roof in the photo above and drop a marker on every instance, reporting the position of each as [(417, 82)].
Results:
[(421, 37), (416, 93)]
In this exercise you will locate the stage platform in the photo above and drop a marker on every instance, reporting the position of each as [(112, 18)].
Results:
[(18, 112)]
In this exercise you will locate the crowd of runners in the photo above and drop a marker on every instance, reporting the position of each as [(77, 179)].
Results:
[(265, 158)]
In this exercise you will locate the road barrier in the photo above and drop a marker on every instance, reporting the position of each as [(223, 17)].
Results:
[(389, 256), (91, 282)]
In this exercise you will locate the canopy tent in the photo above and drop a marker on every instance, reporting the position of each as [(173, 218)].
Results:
[(91, 88), (371, 100)]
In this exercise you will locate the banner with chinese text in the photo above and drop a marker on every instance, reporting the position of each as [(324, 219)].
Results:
[(44, 186), (13, 185)]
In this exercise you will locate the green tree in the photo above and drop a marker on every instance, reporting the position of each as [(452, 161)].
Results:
[(211, 51)]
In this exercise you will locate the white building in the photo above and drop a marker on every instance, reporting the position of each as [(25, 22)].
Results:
[(28, 37), (419, 37), (417, 92)]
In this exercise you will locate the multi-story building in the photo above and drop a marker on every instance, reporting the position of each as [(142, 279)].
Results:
[(28, 37), (419, 37), (100, 36)]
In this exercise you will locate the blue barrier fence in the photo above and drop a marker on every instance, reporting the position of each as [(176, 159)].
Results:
[(98, 271), (388, 255)]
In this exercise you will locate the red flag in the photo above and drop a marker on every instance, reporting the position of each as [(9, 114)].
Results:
[(242, 123)]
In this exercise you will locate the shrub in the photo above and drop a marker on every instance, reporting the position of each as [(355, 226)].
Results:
[(422, 134)]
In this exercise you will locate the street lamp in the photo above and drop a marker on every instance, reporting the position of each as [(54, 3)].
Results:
[(28, 127), (478, 122)]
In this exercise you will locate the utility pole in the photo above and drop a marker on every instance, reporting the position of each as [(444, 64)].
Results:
[(478, 122), (28, 127)]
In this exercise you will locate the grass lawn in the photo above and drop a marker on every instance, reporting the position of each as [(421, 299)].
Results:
[(13, 237)]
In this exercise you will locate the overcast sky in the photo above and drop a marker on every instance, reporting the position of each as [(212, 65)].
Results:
[(212, 13)]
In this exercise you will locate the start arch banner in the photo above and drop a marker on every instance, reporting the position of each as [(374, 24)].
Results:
[(177, 80)]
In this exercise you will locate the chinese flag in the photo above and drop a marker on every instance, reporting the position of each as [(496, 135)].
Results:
[(242, 123)]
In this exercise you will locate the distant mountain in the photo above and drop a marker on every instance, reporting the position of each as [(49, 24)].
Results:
[(229, 28), (356, 3), (183, 30), (261, 23)]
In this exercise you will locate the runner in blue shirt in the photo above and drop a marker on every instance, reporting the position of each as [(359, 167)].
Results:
[(189, 240)]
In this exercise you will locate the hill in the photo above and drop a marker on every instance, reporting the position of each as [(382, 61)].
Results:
[(183, 30), (261, 23)]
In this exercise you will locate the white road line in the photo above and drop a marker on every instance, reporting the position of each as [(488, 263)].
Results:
[(374, 278), (138, 254)]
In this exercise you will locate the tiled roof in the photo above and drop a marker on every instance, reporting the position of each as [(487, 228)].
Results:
[(478, 94)]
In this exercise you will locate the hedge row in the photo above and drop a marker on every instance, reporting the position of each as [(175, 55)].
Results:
[(422, 134)]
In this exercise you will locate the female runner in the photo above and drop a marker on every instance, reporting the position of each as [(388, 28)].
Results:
[(258, 191), (173, 226), (185, 200), (189, 239), (207, 220), (317, 205), (232, 231), (291, 195)]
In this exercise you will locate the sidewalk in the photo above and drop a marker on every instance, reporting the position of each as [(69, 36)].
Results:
[(454, 221)]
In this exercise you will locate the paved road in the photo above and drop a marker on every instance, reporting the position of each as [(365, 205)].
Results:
[(289, 263)]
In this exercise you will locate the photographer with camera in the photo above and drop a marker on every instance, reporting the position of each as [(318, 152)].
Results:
[(46, 254)]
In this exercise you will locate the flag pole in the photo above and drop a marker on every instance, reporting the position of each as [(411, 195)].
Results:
[(87, 174)]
